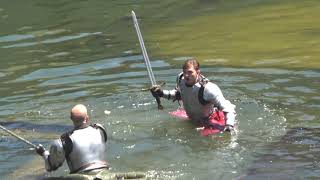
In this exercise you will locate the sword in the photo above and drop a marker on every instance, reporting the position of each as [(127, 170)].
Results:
[(145, 56)]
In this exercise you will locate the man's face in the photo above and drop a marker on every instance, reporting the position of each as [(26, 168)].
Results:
[(190, 75)]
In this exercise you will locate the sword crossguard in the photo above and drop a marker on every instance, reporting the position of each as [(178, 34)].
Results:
[(149, 88), (157, 97)]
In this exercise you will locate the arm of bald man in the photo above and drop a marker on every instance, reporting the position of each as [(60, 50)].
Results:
[(55, 157)]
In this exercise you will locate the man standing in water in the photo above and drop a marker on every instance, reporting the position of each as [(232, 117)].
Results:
[(83, 147), (202, 100)]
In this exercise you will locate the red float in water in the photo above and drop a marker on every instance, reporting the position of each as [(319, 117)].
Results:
[(215, 124)]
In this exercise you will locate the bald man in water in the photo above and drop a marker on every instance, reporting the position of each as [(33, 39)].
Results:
[(83, 147)]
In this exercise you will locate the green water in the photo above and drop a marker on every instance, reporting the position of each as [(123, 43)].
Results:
[(262, 53), (267, 34)]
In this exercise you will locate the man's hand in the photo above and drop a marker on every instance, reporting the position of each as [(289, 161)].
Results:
[(228, 128), (40, 149), (156, 91)]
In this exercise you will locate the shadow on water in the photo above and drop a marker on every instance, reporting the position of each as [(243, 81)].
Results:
[(295, 155)]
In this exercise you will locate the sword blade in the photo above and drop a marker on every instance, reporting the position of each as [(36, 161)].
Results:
[(144, 51)]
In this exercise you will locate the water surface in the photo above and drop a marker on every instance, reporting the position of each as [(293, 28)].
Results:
[(263, 55)]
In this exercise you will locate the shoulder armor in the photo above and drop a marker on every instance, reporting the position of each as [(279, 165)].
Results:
[(179, 77), (204, 80), (203, 83), (56, 156), (97, 125), (67, 143)]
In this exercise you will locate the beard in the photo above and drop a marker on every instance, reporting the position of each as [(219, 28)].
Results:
[(190, 81)]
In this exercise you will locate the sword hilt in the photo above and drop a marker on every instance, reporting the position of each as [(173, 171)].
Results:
[(157, 97)]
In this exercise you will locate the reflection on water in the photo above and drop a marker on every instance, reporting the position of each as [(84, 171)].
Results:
[(80, 52)]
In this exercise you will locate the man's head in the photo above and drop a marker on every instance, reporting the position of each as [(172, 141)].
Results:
[(191, 71), (79, 115)]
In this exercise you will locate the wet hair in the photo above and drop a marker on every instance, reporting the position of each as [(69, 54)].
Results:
[(191, 62)]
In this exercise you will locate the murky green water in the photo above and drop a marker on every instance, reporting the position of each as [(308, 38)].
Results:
[(263, 54)]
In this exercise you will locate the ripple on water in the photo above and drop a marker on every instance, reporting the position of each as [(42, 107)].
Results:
[(231, 80), (15, 37), (154, 64), (58, 54), (310, 74), (281, 80), (300, 89), (294, 154), (77, 69), (277, 95), (257, 86), (53, 40), (2, 74), (129, 52), (220, 60), (67, 96), (277, 61), (306, 117), (45, 32), (264, 71), (182, 58), (17, 98), (6, 112), (293, 101), (69, 80)]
